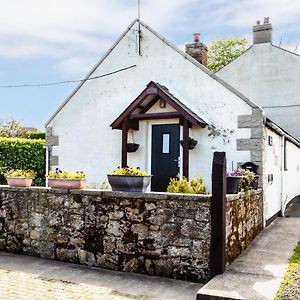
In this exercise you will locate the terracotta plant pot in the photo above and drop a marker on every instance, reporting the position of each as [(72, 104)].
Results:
[(19, 181), (66, 183), (232, 184), (124, 183)]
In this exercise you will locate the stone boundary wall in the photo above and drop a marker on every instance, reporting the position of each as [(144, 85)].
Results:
[(151, 233), (244, 220)]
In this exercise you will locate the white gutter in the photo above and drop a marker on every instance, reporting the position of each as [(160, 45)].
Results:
[(46, 164)]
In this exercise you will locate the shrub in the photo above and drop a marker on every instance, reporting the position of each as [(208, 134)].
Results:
[(18, 153), (248, 181), (182, 185), (61, 174), (129, 172), (36, 135)]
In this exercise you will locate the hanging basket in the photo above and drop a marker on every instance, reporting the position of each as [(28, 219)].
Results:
[(132, 147), (192, 143)]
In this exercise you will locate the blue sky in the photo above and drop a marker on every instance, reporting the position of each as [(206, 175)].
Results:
[(55, 40)]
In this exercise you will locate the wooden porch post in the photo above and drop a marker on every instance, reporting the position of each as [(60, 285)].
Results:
[(218, 218), (124, 144), (185, 148)]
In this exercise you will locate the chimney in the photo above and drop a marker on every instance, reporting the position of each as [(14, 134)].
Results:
[(197, 50), (262, 33)]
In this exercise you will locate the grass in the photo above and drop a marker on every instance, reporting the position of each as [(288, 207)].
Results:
[(290, 286)]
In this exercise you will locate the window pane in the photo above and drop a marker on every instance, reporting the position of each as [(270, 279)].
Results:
[(166, 143)]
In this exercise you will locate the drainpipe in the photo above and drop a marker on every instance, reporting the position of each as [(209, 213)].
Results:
[(47, 164)]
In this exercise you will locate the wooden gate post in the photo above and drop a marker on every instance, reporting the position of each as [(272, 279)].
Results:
[(218, 221)]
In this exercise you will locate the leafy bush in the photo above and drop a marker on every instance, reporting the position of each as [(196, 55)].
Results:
[(21, 173), (129, 172), (248, 181), (182, 185), (36, 135), (61, 174), (18, 153)]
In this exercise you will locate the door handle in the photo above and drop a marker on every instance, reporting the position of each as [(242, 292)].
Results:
[(178, 161)]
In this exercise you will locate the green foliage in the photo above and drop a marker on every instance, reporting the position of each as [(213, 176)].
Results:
[(23, 154), (61, 174), (290, 286), (223, 51), (248, 181), (36, 135), (129, 172), (182, 185), (12, 129), (21, 173)]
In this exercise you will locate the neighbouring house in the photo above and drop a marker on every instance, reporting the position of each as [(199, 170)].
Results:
[(148, 92), (269, 75)]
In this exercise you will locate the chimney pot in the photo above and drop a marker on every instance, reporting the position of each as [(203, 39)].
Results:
[(196, 37), (262, 33), (197, 50)]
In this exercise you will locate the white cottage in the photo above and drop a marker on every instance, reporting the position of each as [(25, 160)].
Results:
[(148, 92), (270, 75)]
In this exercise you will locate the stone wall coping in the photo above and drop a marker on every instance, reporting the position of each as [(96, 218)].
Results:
[(132, 195), (242, 195)]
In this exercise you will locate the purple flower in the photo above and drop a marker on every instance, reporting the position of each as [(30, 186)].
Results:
[(235, 173)]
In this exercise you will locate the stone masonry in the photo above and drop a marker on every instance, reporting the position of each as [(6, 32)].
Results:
[(150, 233), (244, 220), (256, 143), (157, 234), (51, 141)]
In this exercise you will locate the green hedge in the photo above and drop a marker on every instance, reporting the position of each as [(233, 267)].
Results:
[(18, 153), (36, 135)]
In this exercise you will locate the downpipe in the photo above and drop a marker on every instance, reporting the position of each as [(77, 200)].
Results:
[(46, 164)]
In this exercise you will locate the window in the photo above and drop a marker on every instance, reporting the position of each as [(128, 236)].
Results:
[(166, 143)]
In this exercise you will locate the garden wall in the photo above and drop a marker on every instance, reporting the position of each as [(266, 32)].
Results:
[(160, 234), (151, 233), (244, 220)]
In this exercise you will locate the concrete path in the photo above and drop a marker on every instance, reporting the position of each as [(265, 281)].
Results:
[(258, 272), (30, 278)]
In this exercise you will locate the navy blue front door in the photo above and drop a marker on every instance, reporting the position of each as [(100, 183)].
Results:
[(164, 155)]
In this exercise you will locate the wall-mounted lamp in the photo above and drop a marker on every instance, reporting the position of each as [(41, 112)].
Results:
[(270, 140), (162, 103), (270, 178)]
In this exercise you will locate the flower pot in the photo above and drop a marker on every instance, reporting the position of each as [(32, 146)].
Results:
[(132, 147), (19, 181), (124, 183), (192, 143), (232, 184), (67, 183)]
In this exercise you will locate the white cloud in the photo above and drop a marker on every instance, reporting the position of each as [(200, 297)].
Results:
[(76, 66), (72, 31)]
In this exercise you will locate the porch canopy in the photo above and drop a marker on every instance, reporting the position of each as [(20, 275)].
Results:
[(137, 110)]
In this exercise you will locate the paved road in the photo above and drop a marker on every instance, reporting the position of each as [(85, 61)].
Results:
[(30, 278)]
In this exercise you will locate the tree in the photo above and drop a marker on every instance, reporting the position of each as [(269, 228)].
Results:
[(223, 51), (12, 129)]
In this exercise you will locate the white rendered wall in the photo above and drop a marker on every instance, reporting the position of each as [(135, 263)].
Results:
[(291, 177), (269, 76), (272, 164), (285, 185), (87, 142)]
